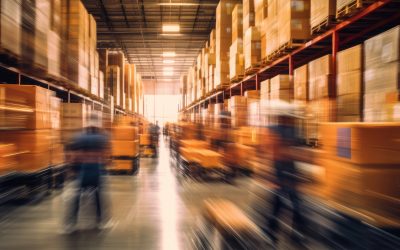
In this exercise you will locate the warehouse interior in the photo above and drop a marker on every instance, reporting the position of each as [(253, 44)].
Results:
[(200, 124)]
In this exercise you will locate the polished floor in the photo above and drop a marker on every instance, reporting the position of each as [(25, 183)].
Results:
[(153, 210)]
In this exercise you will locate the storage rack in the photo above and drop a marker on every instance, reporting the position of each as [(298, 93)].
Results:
[(372, 20)]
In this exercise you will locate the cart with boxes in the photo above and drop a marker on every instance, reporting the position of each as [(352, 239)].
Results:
[(124, 150)]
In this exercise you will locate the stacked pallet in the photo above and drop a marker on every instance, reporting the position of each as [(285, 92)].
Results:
[(322, 15), (236, 59), (381, 77), (253, 107), (281, 88), (238, 108), (54, 42), (117, 58), (300, 82), (261, 13), (74, 117), (349, 83), (124, 147), (93, 57), (75, 20), (288, 25), (361, 168), (223, 39), (29, 127), (184, 90), (113, 81), (10, 26), (321, 107), (209, 63)]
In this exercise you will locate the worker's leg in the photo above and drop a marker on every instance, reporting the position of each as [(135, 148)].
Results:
[(98, 201), (297, 219), (276, 209), (74, 208)]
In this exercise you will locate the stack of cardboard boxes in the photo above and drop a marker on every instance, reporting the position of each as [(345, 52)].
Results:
[(322, 13), (54, 43), (236, 59), (349, 83), (381, 77), (74, 117), (10, 25), (253, 107), (93, 57), (261, 13), (300, 82), (124, 146), (116, 58), (238, 108), (210, 62), (8, 159), (361, 162), (293, 22), (223, 39), (281, 88), (75, 21), (31, 125), (322, 105), (252, 33)]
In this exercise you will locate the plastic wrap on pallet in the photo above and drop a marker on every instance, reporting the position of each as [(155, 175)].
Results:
[(322, 11)]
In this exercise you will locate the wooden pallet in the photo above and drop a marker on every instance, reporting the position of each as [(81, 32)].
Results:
[(327, 23), (237, 78), (352, 8), (252, 69)]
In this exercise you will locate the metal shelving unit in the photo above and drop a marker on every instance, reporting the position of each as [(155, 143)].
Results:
[(372, 20)]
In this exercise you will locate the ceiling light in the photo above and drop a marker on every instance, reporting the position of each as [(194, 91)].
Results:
[(171, 34), (170, 28), (168, 54), (168, 61)]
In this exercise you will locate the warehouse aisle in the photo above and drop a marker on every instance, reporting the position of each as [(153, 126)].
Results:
[(153, 210)]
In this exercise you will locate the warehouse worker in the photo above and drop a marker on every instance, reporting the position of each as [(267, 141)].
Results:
[(154, 133), (91, 151), (286, 177)]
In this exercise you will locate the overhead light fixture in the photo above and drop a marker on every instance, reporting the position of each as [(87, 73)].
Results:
[(168, 61), (171, 34), (170, 27), (168, 54)]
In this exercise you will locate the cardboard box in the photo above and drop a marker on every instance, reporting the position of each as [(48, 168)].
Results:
[(125, 133), (8, 160), (321, 11), (300, 80), (349, 104), (124, 148), (252, 47), (350, 59), (237, 22), (33, 141), (362, 143), (265, 89), (145, 139), (293, 21), (280, 82), (74, 110)]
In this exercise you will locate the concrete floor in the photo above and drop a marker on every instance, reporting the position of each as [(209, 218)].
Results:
[(153, 210)]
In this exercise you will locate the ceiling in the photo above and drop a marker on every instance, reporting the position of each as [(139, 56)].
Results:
[(135, 26)]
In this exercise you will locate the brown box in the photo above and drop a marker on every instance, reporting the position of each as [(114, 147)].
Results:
[(252, 47), (293, 21), (124, 148), (121, 165), (322, 11), (280, 82), (300, 80), (125, 133), (237, 22), (362, 143)]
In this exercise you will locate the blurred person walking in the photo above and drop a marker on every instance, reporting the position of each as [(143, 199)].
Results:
[(283, 138), (89, 154)]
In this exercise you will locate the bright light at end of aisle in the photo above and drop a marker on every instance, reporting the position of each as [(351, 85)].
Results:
[(168, 71), (168, 54), (170, 28), (168, 61)]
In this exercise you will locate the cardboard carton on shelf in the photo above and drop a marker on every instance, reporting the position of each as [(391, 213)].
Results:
[(32, 162)]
